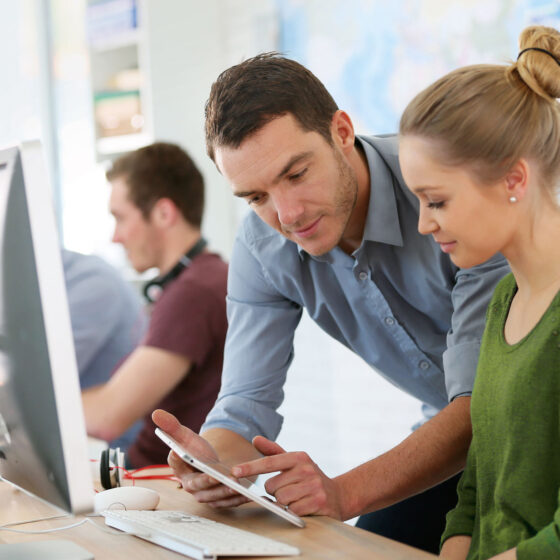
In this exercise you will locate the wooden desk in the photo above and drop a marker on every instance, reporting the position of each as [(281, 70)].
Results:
[(323, 538)]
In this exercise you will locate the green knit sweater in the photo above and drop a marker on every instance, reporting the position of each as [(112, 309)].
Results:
[(509, 492)]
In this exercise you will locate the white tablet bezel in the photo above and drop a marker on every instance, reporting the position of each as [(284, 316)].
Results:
[(200, 465)]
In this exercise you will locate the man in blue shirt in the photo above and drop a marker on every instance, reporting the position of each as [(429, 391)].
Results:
[(108, 322), (334, 230)]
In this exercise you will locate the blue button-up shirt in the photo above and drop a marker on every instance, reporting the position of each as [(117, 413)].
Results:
[(398, 302)]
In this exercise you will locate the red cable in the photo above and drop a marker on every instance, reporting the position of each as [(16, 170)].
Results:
[(131, 475)]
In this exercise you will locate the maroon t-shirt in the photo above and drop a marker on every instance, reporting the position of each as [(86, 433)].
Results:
[(189, 319)]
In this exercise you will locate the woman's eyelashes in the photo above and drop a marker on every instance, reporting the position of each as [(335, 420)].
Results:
[(435, 205)]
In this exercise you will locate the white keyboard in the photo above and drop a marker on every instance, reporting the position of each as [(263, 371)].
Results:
[(194, 536)]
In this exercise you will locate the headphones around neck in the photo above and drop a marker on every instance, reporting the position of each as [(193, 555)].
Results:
[(154, 288)]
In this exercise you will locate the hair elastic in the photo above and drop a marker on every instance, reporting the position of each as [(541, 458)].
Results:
[(540, 50)]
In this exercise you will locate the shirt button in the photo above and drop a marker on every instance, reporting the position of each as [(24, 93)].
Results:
[(363, 275), (424, 364), (389, 321)]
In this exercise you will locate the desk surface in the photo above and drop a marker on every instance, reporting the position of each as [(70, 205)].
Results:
[(323, 537)]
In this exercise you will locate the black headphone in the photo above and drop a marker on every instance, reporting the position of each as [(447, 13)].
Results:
[(111, 467), (153, 289)]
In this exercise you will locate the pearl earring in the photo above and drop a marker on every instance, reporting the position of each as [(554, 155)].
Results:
[(513, 199)]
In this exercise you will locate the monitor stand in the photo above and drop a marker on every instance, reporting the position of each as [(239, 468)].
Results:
[(44, 550)]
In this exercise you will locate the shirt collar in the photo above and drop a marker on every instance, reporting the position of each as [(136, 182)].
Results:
[(382, 222)]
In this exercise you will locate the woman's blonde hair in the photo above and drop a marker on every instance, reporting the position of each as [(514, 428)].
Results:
[(487, 117)]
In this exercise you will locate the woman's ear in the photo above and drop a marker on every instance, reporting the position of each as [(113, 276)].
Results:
[(517, 180)]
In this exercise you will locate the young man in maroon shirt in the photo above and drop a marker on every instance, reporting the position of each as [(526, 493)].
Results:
[(157, 199)]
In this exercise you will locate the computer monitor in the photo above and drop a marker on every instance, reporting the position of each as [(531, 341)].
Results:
[(43, 443)]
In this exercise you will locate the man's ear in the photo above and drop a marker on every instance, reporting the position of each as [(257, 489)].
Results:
[(164, 213), (517, 180), (342, 131)]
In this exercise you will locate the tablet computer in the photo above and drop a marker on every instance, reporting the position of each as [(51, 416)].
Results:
[(221, 473)]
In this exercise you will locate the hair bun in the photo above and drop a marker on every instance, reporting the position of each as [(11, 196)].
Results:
[(538, 63)]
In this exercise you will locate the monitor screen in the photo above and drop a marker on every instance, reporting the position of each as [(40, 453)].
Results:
[(43, 443)]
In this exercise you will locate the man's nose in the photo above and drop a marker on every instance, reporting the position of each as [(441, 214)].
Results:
[(288, 208)]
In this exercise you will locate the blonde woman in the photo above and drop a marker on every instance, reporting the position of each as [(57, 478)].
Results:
[(481, 150)]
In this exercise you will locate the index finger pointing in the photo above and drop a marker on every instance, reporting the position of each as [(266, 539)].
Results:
[(270, 464)]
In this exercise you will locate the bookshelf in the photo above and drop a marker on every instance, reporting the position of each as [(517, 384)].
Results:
[(116, 43)]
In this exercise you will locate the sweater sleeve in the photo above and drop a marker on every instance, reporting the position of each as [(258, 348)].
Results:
[(460, 520), (545, 544)]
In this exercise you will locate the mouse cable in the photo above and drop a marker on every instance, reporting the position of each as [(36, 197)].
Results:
[(59, 516), (8, 526)]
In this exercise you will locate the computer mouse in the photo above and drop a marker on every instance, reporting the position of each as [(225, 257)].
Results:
[(126, 497)]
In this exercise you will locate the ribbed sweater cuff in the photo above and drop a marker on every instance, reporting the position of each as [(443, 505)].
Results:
[(543, 546)]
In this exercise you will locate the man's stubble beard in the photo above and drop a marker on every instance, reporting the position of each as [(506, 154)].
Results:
[(347, 193)]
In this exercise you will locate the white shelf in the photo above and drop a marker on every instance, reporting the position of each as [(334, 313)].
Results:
[(126, 38), (120, 144)]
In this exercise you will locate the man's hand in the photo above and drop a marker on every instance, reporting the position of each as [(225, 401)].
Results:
[(300, 484), (202, 486)]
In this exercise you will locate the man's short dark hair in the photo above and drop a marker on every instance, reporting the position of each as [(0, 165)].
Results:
[(247, 96), (162, 170)]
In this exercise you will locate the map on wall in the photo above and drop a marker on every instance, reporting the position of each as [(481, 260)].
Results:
[(374, 56)]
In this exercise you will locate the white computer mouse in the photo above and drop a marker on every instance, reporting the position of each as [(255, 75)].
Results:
[(126, 497)]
